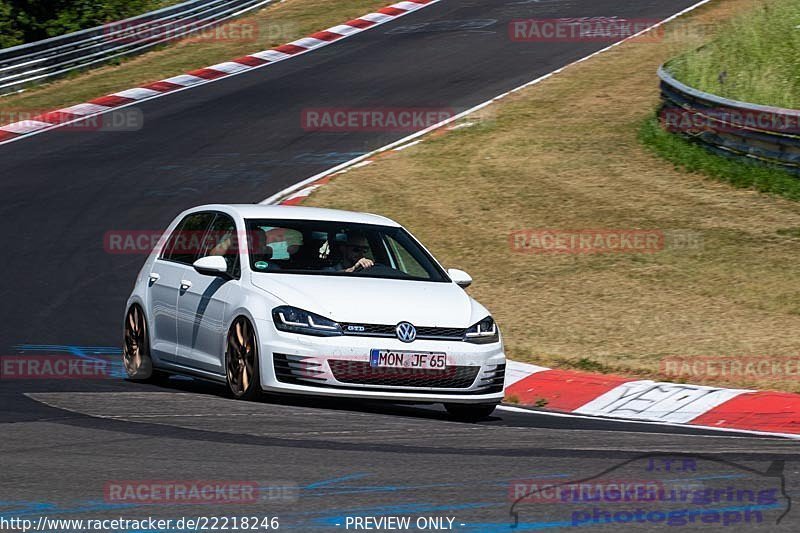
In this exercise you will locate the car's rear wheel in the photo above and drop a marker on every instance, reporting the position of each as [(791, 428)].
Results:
[(136, 346), (466, 412), (241, 361)]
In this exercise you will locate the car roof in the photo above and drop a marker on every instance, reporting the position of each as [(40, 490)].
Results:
[(287, 212)]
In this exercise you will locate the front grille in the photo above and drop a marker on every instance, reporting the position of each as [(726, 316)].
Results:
[(360, 372), (423, 332)]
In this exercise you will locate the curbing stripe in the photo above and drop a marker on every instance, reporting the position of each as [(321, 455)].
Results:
[(25, 126), (663, 402), (759, 411), (111, 100), (85, 109), (616, 397), (137, 94), (562, 390), (229, 67)]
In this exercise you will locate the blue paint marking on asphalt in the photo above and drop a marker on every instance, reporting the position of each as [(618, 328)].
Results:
[(84, 352)]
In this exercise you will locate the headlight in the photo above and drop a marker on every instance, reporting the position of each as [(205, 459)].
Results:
[(484, 332), (296, 320)]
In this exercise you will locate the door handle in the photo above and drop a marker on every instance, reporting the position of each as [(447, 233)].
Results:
[(185, 284), (154, 276)]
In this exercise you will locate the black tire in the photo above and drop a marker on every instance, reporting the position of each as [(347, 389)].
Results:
[(136, 346), (241, 361), (470, 412)]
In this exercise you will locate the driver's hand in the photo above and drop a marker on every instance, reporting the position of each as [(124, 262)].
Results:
[(361, 264)]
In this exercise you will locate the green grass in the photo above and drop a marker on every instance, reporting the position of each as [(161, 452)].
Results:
[(691, 157), (753, 59)]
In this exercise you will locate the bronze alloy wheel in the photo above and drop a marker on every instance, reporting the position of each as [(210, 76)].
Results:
[(241, 361), (136, 349)]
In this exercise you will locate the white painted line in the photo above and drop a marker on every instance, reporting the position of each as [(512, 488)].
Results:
[(409, 145), (25, 126), (139, 93), (513, 409), (277, 196), (462, 125)]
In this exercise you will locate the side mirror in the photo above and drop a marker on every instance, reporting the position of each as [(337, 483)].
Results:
[(459, 277), (211, 265)]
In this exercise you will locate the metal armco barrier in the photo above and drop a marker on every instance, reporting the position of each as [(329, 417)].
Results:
[(26, 64), (730, 128)]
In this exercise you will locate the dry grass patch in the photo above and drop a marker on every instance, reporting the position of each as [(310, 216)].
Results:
[(564, 154), (274, 25)]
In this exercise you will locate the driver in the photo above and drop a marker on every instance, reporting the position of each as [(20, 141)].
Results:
[(352, 252)]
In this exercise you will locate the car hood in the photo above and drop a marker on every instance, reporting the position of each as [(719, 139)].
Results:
[(375, 300)]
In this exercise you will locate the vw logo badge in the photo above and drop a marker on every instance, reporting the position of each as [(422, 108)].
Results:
[(406, 332)]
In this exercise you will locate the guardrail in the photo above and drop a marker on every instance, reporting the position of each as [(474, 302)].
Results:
[(731, 128), (26, 64)]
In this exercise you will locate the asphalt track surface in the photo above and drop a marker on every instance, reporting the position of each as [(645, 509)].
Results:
[(241, 140)]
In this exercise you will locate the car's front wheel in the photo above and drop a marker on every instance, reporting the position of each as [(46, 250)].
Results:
[(136, 346), (466, 412), (241, 361)]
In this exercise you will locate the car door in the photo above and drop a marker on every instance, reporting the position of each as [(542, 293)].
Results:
[(203, 306), (168, 272)]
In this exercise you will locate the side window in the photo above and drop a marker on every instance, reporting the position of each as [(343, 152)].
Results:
[(221, 239), (405, 261), (186, 241)]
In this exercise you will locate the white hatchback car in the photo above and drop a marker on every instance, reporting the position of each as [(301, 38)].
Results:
[(311, 301)]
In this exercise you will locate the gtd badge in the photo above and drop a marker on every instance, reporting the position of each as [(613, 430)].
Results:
[(406, 332)]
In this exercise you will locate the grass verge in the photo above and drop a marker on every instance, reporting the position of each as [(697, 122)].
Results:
[(272, 26), (753, 58), (691, 157), (565, 154)]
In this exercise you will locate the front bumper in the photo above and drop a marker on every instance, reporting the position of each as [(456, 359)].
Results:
[(339, 366)]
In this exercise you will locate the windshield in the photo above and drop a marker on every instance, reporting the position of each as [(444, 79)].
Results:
[(338, 249)]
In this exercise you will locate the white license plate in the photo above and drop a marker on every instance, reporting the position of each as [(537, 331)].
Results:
[(404, 359)]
